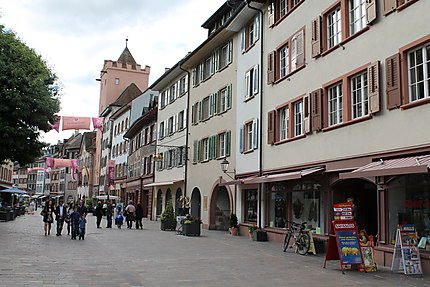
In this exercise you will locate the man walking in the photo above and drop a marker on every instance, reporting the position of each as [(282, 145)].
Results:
[(109, 214), (99, 214), (60, 215)]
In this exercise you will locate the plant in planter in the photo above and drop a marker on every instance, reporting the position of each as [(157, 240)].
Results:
[(259, 235), (191, 226), (168, 221), (234, 229), (251, 230)]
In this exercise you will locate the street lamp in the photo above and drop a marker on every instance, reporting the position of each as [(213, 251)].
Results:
[(224, 165), (224, 168)]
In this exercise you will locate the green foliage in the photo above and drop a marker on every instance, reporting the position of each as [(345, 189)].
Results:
[(252, 228), (233, 221), (28, 99), (168, 214), (89, 202)]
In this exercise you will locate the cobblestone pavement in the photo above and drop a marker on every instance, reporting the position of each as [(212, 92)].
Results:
[(150, 257)]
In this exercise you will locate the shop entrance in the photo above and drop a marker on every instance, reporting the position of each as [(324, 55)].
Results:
[(220, 209), (196, 203), (364, 194)]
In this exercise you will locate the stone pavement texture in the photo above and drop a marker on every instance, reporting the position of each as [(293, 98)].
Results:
[(150, 257)]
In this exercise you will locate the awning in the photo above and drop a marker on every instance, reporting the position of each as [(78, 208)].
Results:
[(161, 183), (407, 165), (14, 190), (238, 181), (285, 176)]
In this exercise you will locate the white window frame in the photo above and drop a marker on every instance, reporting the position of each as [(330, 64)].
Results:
[(223, 99), (359, 95), (335, 104), (284, 122), (284, 62), (298, 117), (222, 143), (357, 15), (205, 149), (161, 131), (334, 27), (172, 93), (418, 88), (171, 126), (206, 105), (163, 99), (181, 119)]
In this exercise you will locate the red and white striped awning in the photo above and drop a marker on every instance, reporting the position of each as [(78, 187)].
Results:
[(407, 165)]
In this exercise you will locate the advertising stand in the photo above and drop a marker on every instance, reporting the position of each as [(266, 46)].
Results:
[(406, 255), (343, 242)]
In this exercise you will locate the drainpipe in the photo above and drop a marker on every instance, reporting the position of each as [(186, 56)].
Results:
[(186, 127), (260, 164)]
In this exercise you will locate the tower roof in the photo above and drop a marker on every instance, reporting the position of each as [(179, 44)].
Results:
[(126, 57)]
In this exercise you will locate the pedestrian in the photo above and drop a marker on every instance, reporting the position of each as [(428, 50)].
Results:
[(82, 224), (48, 216), (139, 216), (68, 221), (130, 216), (74, 219), (81, 208), (99, 213), (60, 216), (119, 219), (109, 214)]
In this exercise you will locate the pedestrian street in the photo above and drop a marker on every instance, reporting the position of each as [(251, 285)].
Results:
[(150, 257)]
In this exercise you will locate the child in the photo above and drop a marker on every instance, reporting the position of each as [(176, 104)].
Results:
[(74, 219), (82, 223), (119, 219)]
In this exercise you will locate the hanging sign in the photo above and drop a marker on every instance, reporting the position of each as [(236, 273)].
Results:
[(343, 211), (406, 255), (343, 244)]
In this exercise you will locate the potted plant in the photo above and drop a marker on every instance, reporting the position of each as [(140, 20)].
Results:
[(234, 229), (191, 226), (168, 221), (251, 230)]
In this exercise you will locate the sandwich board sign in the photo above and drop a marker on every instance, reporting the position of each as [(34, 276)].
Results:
[(342, 211), (343, 244), (406, 255)]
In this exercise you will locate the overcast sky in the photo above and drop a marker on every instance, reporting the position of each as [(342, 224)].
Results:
[(76, 36)]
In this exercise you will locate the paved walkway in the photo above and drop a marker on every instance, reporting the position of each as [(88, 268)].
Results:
[(150, 257)]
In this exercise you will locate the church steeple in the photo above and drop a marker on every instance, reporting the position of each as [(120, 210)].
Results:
[(126, 57)]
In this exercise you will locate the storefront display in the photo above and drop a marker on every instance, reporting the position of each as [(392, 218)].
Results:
[(406, 255)]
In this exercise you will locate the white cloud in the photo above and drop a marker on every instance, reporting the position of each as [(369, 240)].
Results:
[(76, 36)]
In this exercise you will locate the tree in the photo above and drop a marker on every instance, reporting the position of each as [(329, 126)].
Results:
[(28, 99)]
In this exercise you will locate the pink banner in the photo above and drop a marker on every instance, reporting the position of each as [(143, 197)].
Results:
[(98, 123), (30, 169), (76, 123), (49, 162), (111, 172), (56, 125), (61, 162)]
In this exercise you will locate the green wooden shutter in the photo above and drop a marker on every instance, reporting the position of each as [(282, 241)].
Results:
[(229, 96), (216, 103), (216, 148), (199, 151), (228, 145), (200, 111), (195, 152)]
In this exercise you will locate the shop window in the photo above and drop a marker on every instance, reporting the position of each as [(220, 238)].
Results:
[(306, 203), (278, 208), (251, 197), (409, 203)]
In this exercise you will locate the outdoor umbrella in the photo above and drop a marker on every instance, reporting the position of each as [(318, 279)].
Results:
[(14, 190)]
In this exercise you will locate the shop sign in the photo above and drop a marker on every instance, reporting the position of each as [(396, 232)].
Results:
[(343, 243), (342, 211), (406, 255)]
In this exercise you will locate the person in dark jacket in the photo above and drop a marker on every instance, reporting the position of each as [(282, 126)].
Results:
[(74, 219), (60, 216), (109, 214), (48, 216), (99, 213), (81, 208), (139, 216)]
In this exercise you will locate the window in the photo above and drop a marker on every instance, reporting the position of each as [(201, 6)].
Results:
[(248, 136), (180, 156), (298, 118), (116, 81), (357, 15), (222, 144), (335, 104), (170, 158), (171, 128), (195, 113), (152, 134), (280, 9), (223, 56), (284, 122), (251, 197), (161, 131), (360, 96), (163, 99), (181, 120), (334, 28), (183, 85), (419, 73), (225, 99), (172, 94), (249, 132), (284, 63), (207, 68), (205, 148), (205, 108), (251, 82), (196, 76), (250, 34)]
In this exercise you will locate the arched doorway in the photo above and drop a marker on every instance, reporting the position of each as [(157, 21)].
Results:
[(168, 198), (177, 201), (220, 209), (364, 194), (196, 203), (159, 208)]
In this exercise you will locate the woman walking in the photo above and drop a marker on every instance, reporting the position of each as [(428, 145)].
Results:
[(48, 216), (69, 211), (130, 213), (139, 216)]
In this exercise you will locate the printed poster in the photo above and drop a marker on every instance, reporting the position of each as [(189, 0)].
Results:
[(349, 247)]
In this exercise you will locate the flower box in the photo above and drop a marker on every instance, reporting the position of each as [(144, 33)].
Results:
[(168, 225), (259, 235), (191, 229)]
